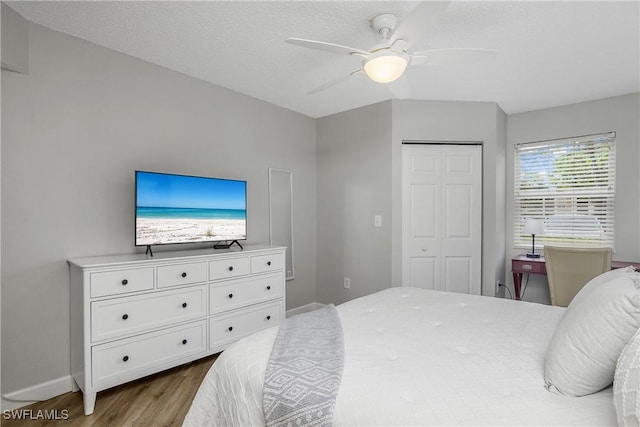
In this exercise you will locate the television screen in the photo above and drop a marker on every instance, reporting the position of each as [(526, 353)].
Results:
[(189, 209)]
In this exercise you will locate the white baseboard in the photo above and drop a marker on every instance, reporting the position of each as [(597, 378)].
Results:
[(38, 392), (304, 308)]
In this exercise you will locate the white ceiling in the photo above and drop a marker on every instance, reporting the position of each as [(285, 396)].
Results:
[(551, 52)]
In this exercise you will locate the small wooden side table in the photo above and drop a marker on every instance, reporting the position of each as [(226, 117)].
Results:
[(522, 264)]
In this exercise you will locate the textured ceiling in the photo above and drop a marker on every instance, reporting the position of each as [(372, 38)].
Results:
[(551, 52)]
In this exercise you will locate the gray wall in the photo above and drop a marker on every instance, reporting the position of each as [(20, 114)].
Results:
[(619, 114), (500, 256), (73, 131), (354, 185), (455, 121), (15, 41)]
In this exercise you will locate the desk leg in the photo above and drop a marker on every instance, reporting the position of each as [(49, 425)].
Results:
[(517, 282)]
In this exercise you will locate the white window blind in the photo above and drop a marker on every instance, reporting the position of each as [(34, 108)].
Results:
[(569, 185)]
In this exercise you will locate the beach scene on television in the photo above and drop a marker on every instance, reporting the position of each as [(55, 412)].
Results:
[(187, 209)]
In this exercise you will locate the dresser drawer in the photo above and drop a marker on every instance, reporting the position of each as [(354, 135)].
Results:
[(122, 316), (264, 263), (121, 281), (521, 266), (224, 296), (228, 268), (182, 274), (231, 327), (123, 360)]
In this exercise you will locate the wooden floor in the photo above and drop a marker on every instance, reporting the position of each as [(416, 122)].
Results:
[(162, 399)]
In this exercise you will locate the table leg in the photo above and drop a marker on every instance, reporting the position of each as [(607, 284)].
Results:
[(517, 282)]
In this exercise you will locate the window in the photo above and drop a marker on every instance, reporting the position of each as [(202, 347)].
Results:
[(569, 185)]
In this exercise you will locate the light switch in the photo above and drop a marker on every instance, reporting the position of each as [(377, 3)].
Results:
[(377, 221)]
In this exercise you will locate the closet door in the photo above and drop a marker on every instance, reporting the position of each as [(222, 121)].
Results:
[(442, 217)]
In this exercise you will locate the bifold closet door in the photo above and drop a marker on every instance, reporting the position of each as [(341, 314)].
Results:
[(442, 217)]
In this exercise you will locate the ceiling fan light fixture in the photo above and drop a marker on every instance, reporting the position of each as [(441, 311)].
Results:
[(385, 66)]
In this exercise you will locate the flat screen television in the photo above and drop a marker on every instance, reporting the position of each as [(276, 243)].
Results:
[(174, 209)]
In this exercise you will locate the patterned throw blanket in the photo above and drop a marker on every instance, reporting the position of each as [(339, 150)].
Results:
[(304, 370)]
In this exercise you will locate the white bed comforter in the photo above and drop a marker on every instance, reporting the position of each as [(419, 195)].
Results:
[(417, 357)]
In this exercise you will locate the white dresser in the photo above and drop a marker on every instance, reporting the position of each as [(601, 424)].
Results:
[(134, 315)]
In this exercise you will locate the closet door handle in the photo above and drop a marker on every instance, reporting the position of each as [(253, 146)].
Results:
[(184, 274), (230, 268), (125, 316), (184, 342), (268, 317), (230, 328), (126, 358), (230, 295), (124, 282), (184, 305), (268, 262), (268, 287)]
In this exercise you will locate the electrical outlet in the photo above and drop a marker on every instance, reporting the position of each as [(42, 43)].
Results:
[(347, 283)]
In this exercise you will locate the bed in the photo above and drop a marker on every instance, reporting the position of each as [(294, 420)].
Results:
[(418, 357)]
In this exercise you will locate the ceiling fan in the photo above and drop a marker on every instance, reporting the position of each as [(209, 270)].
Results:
[(388, 60)]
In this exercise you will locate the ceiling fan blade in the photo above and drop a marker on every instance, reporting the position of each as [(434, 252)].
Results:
[(327, 47), (453, 56), (335, 82), (412, 26), (399, 45)]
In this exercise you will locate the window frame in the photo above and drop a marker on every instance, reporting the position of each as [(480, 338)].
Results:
[(575, 203)]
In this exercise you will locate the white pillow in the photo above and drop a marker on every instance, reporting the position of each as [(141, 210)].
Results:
[(626, 384), (598, 323)]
